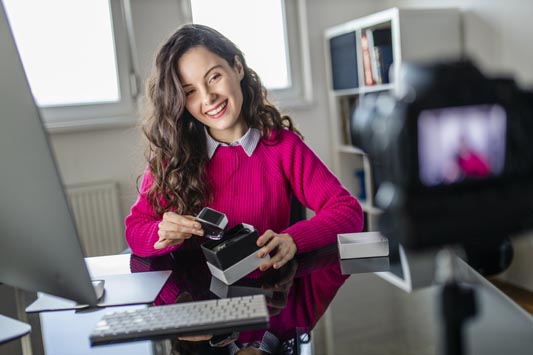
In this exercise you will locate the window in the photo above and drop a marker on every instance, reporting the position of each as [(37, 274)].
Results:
[(271, 35), (76, 57)]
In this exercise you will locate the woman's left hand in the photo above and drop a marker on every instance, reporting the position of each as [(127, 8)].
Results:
[(282, 243)]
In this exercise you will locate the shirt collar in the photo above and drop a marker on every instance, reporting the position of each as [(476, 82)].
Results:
[(248, 142)]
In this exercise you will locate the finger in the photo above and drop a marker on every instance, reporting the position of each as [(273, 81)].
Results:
[(162, 243), (269, 263), (271, 245), (265, 238), (283, 255), (279, 260), (186, 221), (179, 236), (167, 226), (165, 242)]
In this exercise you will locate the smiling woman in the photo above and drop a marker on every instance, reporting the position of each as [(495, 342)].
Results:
[(216, 141)]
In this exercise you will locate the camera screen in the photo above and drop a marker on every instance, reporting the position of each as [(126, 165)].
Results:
[(457, 144), (211, 216)]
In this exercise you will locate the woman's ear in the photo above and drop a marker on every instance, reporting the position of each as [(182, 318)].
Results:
[(239, 67)]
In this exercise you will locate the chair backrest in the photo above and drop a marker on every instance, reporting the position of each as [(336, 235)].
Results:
[(298, 211)]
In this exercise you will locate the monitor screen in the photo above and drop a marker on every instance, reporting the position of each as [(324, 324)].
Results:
[(457, 144), (40, 249)]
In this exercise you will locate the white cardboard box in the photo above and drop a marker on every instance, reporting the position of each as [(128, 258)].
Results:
[(239, 269), (362, 245)]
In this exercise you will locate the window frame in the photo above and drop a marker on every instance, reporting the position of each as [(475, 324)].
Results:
[(94, 115), (299, 94)]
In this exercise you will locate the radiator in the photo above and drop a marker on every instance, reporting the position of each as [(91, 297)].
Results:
[(97, 216)]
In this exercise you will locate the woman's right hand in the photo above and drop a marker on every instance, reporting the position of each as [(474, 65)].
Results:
[(175, 229)]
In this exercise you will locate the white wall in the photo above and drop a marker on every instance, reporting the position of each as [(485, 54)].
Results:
[(496, 35)]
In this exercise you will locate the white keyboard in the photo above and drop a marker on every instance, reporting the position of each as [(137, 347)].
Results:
[(192, 318)]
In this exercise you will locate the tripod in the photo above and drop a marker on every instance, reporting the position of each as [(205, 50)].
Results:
[(457, 304)]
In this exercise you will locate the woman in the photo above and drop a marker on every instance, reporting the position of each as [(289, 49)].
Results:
[(215, 140)]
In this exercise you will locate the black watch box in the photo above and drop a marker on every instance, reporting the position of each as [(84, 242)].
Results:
[(235, 255)]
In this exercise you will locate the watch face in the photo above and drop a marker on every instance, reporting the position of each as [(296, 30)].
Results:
[(213, 223), (212, 232), (211, 216)]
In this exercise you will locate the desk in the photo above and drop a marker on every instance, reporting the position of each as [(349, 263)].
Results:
[(366, 314)]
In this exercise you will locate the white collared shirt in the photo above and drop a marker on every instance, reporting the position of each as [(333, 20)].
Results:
[(248, 142)]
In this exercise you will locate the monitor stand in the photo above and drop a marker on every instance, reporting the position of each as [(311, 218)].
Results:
[(120, 290), (99, 288), (11, 329)]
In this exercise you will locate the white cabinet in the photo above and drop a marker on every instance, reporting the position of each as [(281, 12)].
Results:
[(363, 57)]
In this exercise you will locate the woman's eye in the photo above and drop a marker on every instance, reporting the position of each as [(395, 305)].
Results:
[(188, 92), (214, 77)]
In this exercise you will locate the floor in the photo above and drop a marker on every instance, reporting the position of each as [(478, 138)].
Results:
[(520, 295)]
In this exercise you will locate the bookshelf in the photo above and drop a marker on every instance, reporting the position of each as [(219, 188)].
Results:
[(363, 57)]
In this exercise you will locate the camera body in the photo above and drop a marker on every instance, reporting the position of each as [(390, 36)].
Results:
[(453, 154)]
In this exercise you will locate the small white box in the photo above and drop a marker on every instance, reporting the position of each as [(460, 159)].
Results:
[(239, 269), (362, 245)]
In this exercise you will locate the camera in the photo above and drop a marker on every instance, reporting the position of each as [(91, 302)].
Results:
[(213, 223), (452, 155)]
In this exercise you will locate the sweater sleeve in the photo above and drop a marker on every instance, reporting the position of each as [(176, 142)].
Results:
[(142, 223), (317, 188)]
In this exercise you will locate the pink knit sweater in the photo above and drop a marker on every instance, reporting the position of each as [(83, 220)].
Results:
[(257, 190)]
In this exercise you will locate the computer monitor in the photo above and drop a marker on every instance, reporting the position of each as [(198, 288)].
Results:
[(40, 249)]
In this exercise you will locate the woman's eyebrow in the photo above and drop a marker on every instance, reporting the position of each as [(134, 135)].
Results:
[(206, 73), (212, 68)]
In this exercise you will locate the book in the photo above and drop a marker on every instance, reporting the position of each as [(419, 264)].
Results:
[(374, 54), (344, 61), (386, 60), (383, 53), (367, 64)]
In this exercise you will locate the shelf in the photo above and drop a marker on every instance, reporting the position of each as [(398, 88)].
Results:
[(376, 88), (347, 92), (370, 209), (363, 90), (363, 57), (350, 149)]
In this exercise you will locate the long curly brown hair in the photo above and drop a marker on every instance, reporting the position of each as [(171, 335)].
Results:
[(177, 149)]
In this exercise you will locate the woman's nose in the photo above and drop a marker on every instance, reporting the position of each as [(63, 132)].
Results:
[(209, 97)]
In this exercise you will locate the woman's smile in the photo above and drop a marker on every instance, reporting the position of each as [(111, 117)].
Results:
[(218, 111)]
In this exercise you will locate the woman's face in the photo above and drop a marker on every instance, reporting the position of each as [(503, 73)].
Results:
[(213, 92)]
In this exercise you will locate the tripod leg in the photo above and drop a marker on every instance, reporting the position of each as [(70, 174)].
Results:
[(457, 305)]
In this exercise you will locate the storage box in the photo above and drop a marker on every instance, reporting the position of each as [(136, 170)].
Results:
[(235, 255), (362, 245)]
